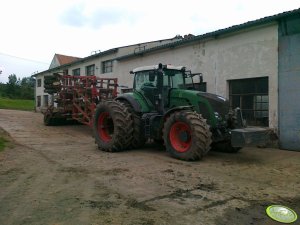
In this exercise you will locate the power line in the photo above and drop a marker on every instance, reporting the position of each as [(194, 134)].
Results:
[(26, 59)]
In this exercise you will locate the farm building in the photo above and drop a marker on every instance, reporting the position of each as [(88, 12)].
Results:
[(256, 65)]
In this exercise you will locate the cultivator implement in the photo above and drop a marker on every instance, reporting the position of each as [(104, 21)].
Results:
[(74, 98)]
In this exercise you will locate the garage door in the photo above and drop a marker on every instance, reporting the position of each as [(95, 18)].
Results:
[(289, 86), (251, 96)]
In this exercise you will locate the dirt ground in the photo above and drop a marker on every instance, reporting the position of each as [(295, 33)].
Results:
[(56, 176)]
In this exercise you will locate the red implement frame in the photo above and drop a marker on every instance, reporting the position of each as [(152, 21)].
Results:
[(78, 96)]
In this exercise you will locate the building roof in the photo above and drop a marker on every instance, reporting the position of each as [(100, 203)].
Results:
[(79, 60), (107, 52), (215, 34), (154, 67), (187, 39), (65, 59), (59, 60)]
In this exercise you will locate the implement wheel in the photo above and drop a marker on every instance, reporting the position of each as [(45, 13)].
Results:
[(112, 126), (48, 120), (186, 135)]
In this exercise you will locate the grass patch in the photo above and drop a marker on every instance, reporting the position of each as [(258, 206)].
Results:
[(3, 142), (19, 104)]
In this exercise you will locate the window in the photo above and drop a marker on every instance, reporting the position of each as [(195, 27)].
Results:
[(251, 96), (65, 72), (261, 104), (146, 82), (39, 82), (107, 66), (90, 70), (195, 84), (145, 79), (173, 79), (46, 101), (76, 72), (38, 101)]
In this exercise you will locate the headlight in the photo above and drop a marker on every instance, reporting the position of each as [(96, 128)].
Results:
[(217, 115)]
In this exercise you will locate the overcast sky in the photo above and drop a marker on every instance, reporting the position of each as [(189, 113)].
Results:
[(32, 31)]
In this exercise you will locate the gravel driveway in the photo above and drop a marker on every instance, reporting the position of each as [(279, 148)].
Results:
[(56, 175)]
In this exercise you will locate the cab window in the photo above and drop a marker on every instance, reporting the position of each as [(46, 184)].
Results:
[(145, 79), (174, 79)]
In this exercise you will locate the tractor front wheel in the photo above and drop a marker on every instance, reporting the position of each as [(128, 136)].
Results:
[(186, 135), (113, 126)]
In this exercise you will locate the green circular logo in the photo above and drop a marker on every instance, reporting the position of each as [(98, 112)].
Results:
[(281, 214)]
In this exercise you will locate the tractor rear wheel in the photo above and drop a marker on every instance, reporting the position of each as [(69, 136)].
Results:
[(187, 135), (112, 126), (139, 139)]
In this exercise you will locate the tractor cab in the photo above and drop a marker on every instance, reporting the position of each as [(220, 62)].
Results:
[(157, 82)]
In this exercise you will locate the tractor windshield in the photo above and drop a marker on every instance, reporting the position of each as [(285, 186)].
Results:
[(145, 79), (174, 79), (171, 79)]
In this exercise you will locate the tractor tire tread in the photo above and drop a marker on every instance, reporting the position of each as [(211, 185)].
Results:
[(138, 138), (122, 136), (201, 135)]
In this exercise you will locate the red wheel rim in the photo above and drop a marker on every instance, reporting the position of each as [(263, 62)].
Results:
[(105, 127), (180, 136)]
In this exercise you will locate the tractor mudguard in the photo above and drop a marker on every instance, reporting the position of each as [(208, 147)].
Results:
[(132, 101), (179, 108)]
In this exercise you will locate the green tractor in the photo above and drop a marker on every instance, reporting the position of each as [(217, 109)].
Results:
[(165, 106)]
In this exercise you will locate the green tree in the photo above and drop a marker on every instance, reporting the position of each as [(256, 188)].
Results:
[(12, 89), (2, 90), (18, 89), (12, 79), (27, 87)]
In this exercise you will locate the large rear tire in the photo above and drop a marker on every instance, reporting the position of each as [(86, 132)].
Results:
[(112, 126), (187, 135), (138, 139)]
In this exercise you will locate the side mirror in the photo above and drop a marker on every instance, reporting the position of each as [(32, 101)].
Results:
[(131, 72), (201, 78), (197, 77)]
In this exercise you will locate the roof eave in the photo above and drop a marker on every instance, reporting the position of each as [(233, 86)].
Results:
[(215, 34), (110, 51)]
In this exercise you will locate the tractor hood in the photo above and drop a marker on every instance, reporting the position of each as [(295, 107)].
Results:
[(213, 107), (218, 103)]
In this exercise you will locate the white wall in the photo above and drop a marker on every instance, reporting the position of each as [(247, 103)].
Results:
[(248, 54), (39, 91)]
